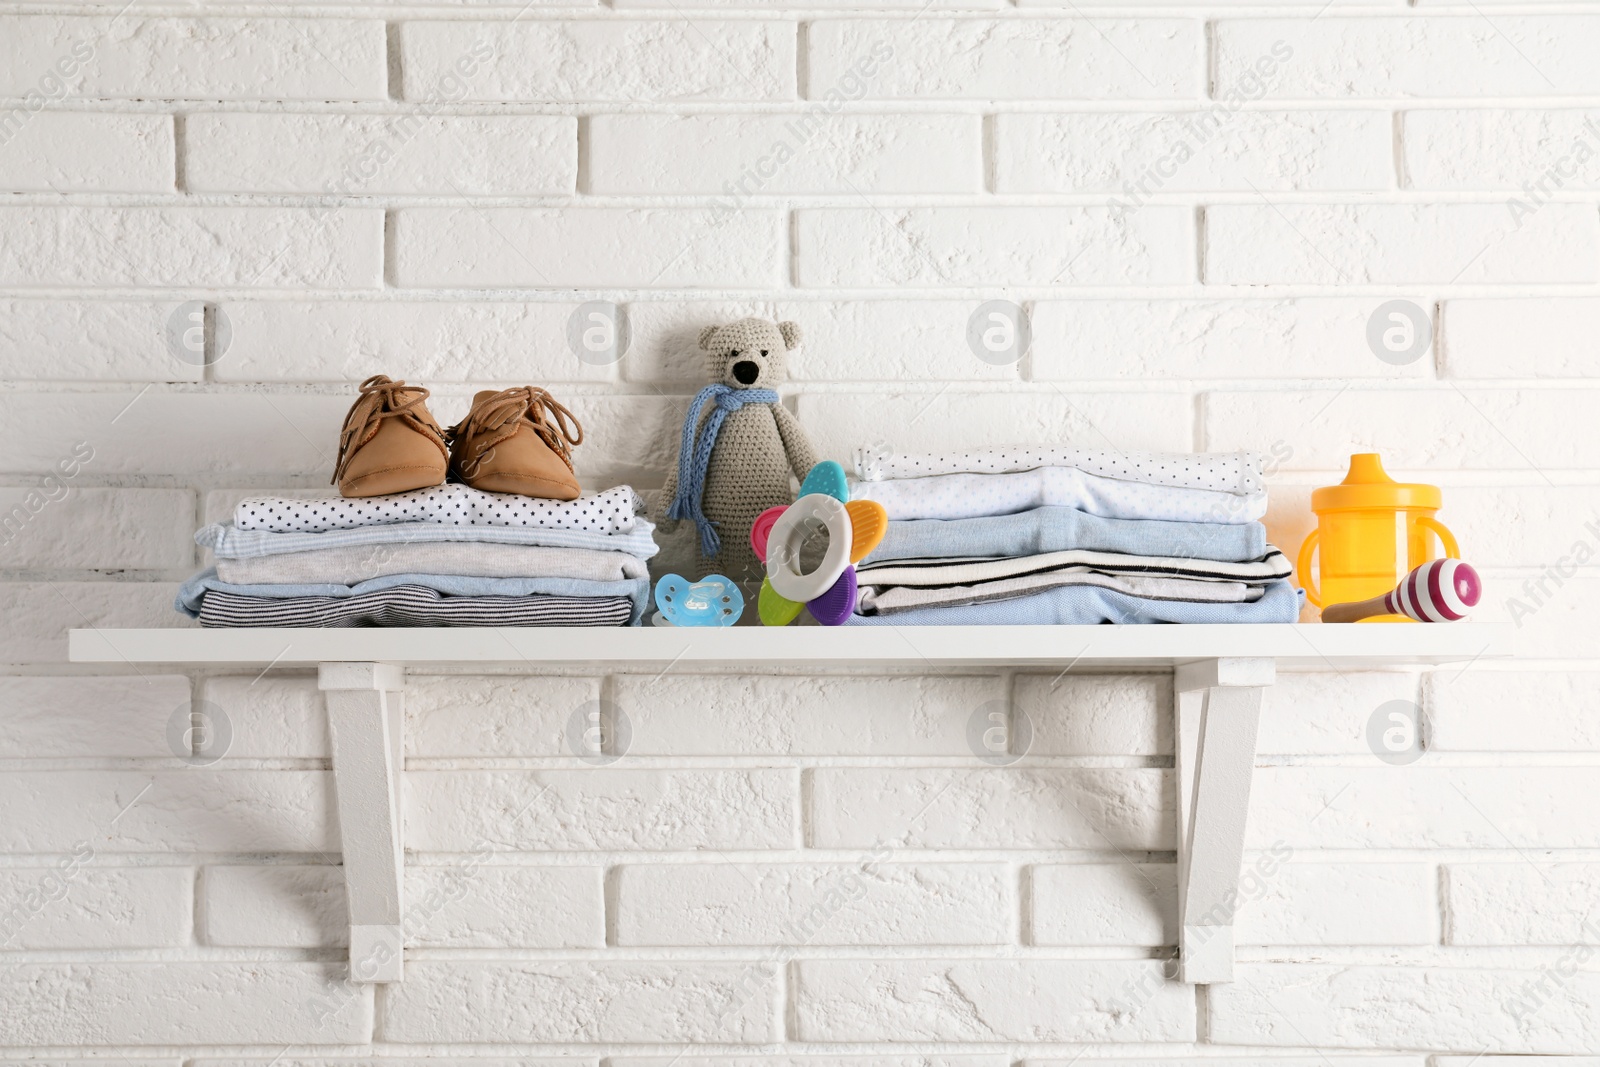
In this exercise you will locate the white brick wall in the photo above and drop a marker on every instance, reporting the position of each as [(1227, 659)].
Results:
[(1201, 206)]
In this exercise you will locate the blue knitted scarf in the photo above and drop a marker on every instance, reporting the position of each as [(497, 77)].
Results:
[(694, 456)]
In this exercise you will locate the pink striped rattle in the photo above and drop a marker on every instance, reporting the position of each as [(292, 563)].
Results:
[(1441, 590)]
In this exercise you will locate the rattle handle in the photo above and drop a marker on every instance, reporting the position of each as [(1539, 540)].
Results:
[(1361, 609)]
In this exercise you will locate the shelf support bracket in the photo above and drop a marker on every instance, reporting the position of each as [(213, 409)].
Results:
[(366, 718), (1218, 710)]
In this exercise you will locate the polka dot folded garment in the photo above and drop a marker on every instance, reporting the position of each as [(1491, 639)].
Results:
[(1223, 472), (610, 512)]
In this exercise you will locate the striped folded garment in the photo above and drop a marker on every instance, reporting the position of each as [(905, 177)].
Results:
[(413, 605), (893, 586)]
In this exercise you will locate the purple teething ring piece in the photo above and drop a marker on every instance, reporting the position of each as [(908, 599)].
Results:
[(834, 607)]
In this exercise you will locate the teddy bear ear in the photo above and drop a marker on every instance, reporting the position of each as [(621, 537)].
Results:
[(791, 333), (705, 337)]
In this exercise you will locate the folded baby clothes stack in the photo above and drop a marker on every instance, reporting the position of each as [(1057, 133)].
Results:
[(448, 555), (1018, 536)]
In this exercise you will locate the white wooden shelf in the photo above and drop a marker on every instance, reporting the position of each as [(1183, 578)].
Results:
[(1220, 674)]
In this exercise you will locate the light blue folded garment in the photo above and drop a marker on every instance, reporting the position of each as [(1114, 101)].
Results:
[(194, 590), (1082, 605), (1058, 529), (229, 542)]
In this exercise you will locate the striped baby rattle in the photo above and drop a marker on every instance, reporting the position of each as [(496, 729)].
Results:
[(1441, 590)]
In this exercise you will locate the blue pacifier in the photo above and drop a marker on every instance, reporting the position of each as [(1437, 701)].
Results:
[(712, 601)]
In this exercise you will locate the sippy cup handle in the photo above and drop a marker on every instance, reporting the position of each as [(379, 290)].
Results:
[(1446, 538), (1303, 568)]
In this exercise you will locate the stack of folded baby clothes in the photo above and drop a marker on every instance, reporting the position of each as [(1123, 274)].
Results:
[(510, 542), (1018, 536)]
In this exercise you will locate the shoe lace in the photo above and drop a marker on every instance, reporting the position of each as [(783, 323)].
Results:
[(497, 418), (380, 398)]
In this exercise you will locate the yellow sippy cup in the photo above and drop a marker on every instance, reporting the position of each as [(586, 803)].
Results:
[(1371, 532)]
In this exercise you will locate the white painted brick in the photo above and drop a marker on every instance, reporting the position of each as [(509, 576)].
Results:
[(362, 155), (452, 715), (991, 1000), (1530, 153), (1442, 1008), (1523, 903), (587, 247), (1275, 1061), (600, 808), (74, 151), (459, 906), (737, 157), (1531, 337), (878, 248), (79, 717), (446, 716), (33, 628), (1141, 340), (840, 423), (845, 341), (766, 715), (1136, 154), (174, 433), (584, 60), (177, 1003), (108, 341), (995, 1060), (1032, 59), (270, 716), (1516, 1061), (289, 1060), (1475, 711), (991, 808), (868, 903), (1095, 714), (420, 342), (1326, 713), (1348, 58), (204, 59), (62, 526), (1559, 624), (1421, 806), (1360, 244), (83, 905), (192, 247), (546, 1002), (1505, 429), (1282, 904), (188, 810)]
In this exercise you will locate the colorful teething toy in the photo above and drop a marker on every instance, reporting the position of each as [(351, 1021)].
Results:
[(854, 528), (712, 601)]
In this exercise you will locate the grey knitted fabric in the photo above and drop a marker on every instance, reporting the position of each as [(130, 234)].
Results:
[(760, 448)]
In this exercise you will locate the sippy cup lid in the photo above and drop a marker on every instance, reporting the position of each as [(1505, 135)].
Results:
[(1368, 485)]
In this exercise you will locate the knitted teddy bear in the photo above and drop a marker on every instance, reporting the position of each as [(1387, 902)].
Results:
[(739, 445)]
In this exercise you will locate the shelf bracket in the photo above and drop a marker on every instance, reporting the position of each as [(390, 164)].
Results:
[(366, 720), (1218, 710)]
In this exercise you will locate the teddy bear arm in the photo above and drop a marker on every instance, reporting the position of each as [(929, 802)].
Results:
[(796, 445)]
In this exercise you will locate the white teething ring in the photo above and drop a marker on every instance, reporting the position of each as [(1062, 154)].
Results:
[(788, 534)]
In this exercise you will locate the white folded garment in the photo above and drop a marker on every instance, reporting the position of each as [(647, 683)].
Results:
[(967, 496), (1224, 472), (610, 512), (355, 564), (874, 600)]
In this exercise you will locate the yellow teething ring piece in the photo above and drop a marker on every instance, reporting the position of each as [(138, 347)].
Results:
[(775, 610), (868, 523)]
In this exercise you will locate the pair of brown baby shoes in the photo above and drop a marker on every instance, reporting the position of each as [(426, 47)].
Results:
[(512, 441)]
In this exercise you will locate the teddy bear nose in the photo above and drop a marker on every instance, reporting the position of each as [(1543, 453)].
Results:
[(746, 371)]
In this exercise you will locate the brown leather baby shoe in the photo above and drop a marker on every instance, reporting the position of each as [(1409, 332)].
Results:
[(390, 443), (517, 441)]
